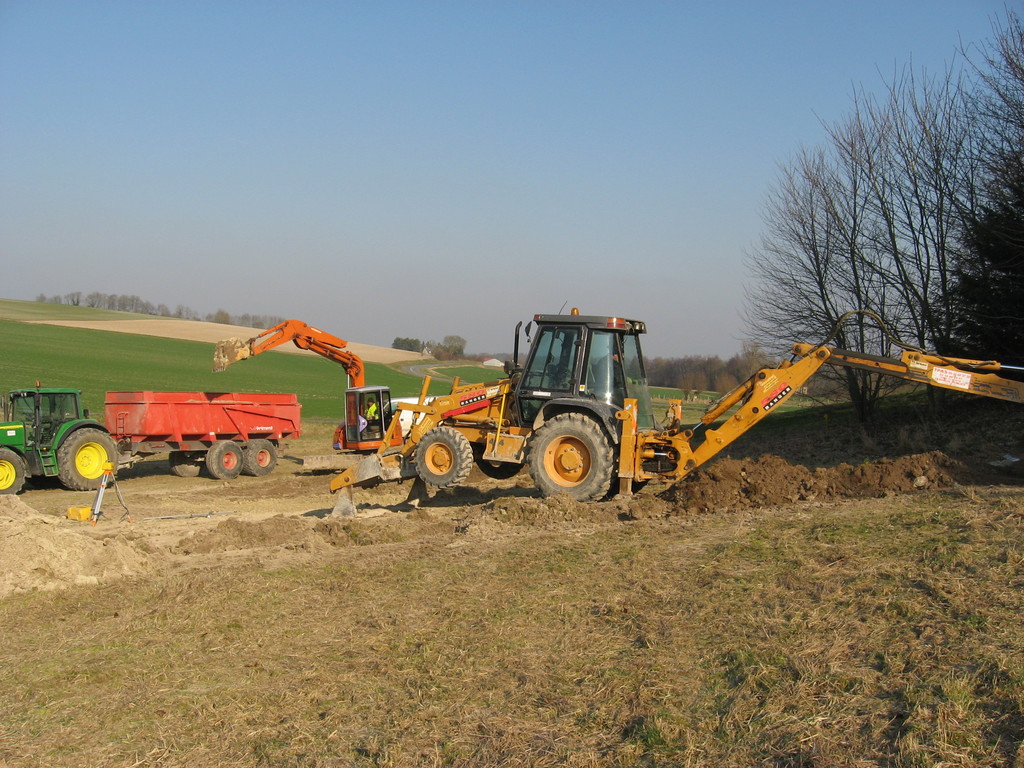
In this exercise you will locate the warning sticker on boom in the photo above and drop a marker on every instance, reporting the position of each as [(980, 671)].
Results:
[(951, 378), (779, 395)]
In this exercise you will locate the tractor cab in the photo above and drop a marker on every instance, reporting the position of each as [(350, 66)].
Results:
[(591, 358), (43, 412), (368, 414)]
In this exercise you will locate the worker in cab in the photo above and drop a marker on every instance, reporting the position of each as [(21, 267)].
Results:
[(371, 420)]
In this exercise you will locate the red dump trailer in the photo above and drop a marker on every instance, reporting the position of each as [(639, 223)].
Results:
[(227, 432)]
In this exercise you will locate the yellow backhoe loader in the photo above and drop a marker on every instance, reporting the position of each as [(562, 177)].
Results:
[(580, 417)]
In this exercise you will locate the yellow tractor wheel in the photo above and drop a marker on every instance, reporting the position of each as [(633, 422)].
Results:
[(82, 456), (12, 471)]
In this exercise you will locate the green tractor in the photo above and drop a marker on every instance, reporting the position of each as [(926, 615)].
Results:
[(46, 433)]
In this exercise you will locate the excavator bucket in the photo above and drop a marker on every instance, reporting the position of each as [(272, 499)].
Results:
[(229, 351)]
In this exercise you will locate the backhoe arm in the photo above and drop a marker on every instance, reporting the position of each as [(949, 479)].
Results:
[(302, 336), (978, 377), (749, 403), (754, 399)]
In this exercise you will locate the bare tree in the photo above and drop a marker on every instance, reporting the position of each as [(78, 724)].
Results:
[(871, 221)]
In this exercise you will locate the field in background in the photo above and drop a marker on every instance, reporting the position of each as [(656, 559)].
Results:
[(101, 361)]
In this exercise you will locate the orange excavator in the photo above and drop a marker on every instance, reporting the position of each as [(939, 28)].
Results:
[(368, 409)]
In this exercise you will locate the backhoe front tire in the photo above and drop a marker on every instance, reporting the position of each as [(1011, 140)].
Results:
[(571, 454), (224, 460), (444, 457), (12, 471), (259, 458), (82, 457)]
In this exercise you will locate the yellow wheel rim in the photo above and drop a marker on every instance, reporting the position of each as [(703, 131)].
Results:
[(7, 475), (567, 461), (439, 458), (90, 459)]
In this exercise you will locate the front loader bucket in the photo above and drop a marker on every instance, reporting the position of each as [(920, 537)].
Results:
[(229, 351)]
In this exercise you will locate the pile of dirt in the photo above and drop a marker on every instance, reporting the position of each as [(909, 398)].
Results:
[(235, 534), (773, 481), (42, 552), (286, 532)]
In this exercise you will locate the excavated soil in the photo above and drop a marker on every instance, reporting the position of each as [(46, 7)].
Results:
[(771, 481)]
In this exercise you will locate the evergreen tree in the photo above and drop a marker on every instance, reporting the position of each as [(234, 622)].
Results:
[(990, 281)]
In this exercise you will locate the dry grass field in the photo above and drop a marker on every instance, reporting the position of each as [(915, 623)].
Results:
[(763, 613)]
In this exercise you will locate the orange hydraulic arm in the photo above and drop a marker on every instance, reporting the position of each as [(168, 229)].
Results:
[(302, 336)]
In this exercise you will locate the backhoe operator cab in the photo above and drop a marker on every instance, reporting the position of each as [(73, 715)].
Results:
[(584, 362)]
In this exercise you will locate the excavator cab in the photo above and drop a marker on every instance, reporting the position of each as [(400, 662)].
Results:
[(368, 414)]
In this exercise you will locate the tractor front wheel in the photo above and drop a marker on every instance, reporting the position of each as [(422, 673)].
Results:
[(82, 457), (224, 460), (444, 457), (12, 471), (571, 454)]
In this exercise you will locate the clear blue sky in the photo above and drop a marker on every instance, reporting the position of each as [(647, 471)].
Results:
[(386, 169)]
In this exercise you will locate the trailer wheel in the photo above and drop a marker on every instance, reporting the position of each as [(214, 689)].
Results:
[(259, 458), (571, 454), (184, 463), (81, 458), (444, 457), (224, 460), (12, 471)]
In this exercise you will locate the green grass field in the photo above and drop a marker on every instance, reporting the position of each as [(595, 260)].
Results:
[(100, 361)]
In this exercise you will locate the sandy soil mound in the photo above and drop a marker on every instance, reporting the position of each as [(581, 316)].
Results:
[(771, 481), (234, 534), (40, 552)]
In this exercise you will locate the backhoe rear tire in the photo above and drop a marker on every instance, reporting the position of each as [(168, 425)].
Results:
[(259, 458), (12, 471), (571, 454), (82, 457), (224, 460), (444, 457)]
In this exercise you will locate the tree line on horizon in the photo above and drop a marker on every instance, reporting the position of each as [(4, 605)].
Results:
[(129, 303)]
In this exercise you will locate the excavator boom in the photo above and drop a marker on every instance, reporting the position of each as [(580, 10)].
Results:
[(303, 336)]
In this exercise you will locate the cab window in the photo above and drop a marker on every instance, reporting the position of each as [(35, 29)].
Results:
[(554, 359)]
